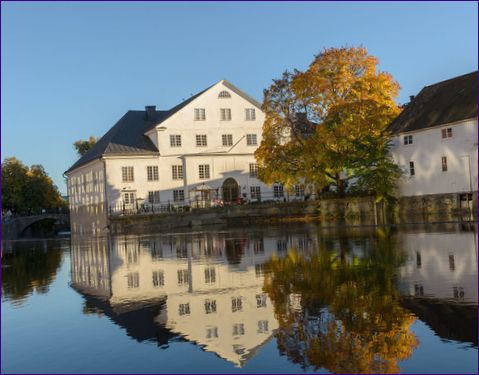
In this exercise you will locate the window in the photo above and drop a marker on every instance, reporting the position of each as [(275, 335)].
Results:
[(158, 278), (281, 245), (408, 139), (452, 265), (177, 172), (412, 172), (444, 163), (255, 192), (299, 190), (200, 114), (178, 195), (154, 196), (260, 300), (250, 114), (418, 290), (446, 133), (458, 292), (152, 173), (175, 140), (225, 114), (418, 259), (278, 191), (127, 174), (210, 275), (183, 277), (259, 269), (263, 326), (236, 304), (258, 246), (204, 171), (211, 332), (251, 140), (238, 329), (227, 139), (184, 309), (133, 280), (128, 198), (201, 140), (224, 94), (253, 170), (210, 306)]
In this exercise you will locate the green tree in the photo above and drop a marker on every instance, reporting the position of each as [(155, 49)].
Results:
[(327, 124), (26, 189), (82, 147)]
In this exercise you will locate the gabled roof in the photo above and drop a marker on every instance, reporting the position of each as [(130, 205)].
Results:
[(442, 103), (127, 136)]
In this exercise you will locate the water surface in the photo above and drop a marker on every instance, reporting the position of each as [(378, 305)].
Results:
[(272, 299)]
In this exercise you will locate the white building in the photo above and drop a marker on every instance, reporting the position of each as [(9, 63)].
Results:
[(199, 152), (435, 140)]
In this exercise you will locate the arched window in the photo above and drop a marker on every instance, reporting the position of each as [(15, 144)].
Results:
[(224, 94)]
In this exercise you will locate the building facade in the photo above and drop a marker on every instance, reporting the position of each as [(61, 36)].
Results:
[(199, 153), (435, 140)]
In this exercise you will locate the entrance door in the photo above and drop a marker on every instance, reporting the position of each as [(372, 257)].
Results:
[(230, 190)]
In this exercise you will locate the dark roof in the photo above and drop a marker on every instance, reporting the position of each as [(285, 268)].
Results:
[(442, 103), (127, 136)]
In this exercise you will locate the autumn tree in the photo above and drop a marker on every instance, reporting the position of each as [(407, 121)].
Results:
[(327, 125), (341, 313), (82, 147), (27, 190)]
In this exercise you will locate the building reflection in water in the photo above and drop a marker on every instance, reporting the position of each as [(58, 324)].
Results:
[(231, 292)]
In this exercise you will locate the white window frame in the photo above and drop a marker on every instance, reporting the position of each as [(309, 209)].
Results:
[(251, 140), (250, 114), (204, 171), (225, 114), (253, 170), (407, 140), (177, 172), (175, 140), (178, 195), (127, 174), (201, 140), (152, 173), (154, 197), (227, 139), (200, 114)]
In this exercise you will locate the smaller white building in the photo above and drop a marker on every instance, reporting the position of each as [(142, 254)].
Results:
[(435, 140)]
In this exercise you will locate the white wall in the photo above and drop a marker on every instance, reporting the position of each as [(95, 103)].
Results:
[(426, 152)]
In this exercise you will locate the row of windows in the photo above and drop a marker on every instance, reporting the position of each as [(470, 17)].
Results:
[(412, 169), (236, 305), (238, 329), (225, 114), (177, 172), (445, 133), (201, 140)]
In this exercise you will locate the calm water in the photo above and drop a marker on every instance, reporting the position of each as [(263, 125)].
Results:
[(275, 299)]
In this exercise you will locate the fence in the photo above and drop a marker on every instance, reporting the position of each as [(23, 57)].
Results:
[(147, 208)]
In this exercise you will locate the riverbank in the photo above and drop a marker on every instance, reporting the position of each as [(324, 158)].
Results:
[(351, 211)]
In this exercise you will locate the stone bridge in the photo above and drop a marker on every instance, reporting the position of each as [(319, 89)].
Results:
[(14, 227)]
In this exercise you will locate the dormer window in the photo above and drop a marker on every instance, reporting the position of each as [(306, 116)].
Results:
[(200, 114), (224, 95)]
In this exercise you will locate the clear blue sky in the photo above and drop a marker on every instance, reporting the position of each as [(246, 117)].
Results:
[(70, 70)]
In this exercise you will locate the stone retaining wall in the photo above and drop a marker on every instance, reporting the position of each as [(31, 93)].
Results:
[(346, 211)]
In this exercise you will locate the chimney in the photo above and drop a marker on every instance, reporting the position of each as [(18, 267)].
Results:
[(150, 113), (411, 98)]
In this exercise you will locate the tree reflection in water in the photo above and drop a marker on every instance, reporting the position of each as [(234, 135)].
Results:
[(29, 267), (340, 310)]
